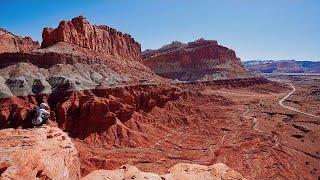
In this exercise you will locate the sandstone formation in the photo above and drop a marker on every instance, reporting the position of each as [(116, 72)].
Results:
[(181, 171), (198, 60), (102, 108), (75, 56), (104, 39), (41, 153), (12, 43)]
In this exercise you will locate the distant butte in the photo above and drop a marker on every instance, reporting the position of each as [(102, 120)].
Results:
[(198, 60)]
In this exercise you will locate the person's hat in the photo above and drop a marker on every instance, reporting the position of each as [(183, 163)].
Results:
[(44, 105)]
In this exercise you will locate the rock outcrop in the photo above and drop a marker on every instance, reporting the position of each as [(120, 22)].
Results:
[(101, 108), (104, 39), (198, 60), (181, 171), (12, 43), (40, 153)]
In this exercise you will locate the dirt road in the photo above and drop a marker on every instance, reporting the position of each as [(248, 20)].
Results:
[(291, 108)]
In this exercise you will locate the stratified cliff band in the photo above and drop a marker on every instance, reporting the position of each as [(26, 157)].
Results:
[(198, 60), (104, 39)]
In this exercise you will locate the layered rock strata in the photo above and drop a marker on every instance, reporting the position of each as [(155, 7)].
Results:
[(75, 56), (104, 39), (101, 108), (198, 60)]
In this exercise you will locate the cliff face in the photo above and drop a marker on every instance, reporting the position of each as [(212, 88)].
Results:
[(198, 60), (12, 43), (104, 39)]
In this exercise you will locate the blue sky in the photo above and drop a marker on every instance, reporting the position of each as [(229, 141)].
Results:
[(255, 29)]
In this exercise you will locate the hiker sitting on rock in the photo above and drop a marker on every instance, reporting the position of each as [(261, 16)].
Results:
[(42, 115)]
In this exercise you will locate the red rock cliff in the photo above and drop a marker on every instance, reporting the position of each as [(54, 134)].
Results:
[(201, 59), (12, 43), (104, 39)]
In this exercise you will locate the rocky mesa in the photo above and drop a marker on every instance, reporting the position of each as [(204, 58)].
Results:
[(104, 39), (198, 60)]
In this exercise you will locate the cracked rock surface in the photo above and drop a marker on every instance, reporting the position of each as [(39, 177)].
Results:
[(39, 153)]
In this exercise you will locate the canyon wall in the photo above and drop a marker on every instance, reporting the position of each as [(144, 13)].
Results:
[(99, 108), (103, 39)]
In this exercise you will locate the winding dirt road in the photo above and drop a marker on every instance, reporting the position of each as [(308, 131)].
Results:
[(291, 108)]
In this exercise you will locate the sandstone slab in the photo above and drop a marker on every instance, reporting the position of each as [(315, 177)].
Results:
[(39, 153)]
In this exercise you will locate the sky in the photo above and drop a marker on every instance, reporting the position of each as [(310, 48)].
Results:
[(255, 29)]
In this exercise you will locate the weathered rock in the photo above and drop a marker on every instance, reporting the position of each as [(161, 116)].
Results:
[(23, 79), (182, 171), (19, 86), (40, 153), (102, 107), (12, 43), (126, 172), (14, 112), (41, 86), (4, 89), (219, 171), (198, 60), (104, 39)]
